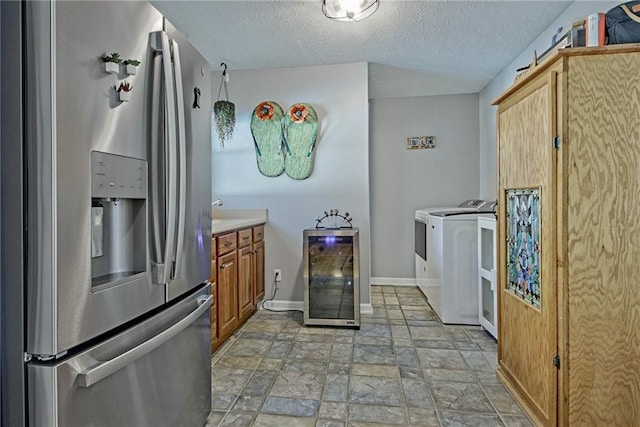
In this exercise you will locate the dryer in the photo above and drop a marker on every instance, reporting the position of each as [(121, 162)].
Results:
[(451, 285)]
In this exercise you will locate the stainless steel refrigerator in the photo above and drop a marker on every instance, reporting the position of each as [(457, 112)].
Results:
[(105, 304)]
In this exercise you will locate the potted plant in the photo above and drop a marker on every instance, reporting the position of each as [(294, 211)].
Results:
[(224, 112), (131, 66), (111, 62), (124, 91), (225, 115)]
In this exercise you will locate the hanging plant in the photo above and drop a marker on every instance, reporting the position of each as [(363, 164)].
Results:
[(225, 114), (224, 111)]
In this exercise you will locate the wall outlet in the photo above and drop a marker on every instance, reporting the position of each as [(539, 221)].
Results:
[(277, 274)]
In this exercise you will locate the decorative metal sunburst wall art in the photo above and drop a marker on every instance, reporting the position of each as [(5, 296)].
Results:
[(334, 220), (523, 244)]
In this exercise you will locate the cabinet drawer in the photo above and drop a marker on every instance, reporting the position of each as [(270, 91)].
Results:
[(244, 238), (258, 233), (214, 254), (227, 243)]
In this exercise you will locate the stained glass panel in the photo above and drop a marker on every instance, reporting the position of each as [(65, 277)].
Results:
[(523, 244)]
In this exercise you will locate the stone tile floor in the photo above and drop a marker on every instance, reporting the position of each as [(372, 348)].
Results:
[(402, 367)]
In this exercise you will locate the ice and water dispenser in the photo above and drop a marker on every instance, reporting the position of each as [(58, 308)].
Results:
[(118, 219)]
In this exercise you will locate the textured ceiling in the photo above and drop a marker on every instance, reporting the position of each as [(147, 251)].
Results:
[(414, 48)]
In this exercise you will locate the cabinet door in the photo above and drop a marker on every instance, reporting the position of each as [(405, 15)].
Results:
[(527, 342), (227, 294), (245, 288), (214, 316), (488, 310), (258, 271)]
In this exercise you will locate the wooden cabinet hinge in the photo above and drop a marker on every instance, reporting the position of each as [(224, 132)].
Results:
[(556, 142), (556, 361)]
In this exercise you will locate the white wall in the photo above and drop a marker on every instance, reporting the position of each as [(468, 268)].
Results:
[(340, 179), (402, 180), (488, 168)]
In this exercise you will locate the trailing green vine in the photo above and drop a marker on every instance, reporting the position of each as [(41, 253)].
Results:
[(225, 116), (224, 112)]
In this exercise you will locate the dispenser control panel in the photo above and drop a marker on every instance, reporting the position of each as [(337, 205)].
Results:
[(118, 176)]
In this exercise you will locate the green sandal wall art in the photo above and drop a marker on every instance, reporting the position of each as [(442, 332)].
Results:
[(300, 127), (266, 129)]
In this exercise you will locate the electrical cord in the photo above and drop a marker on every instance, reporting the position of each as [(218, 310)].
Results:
[(275, 291)]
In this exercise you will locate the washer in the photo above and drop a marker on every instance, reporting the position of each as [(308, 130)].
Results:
[(452, 267), (421, 236)]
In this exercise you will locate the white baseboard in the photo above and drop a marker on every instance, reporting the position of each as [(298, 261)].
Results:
[(299, 305), (366, 309), (284, 305), (392, 281)]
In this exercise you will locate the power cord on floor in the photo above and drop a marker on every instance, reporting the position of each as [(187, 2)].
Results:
[(275, 291)]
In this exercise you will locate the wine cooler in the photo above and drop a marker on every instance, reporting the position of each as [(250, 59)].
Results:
[(332, 277)]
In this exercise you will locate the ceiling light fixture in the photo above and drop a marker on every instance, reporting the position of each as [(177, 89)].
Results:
[(349, 10)]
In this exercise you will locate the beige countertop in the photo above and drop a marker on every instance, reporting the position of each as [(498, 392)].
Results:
[(224, 220)]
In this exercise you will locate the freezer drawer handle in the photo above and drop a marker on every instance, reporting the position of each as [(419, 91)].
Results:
[(97, 373)]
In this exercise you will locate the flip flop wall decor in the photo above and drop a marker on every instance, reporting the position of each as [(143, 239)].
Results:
[(284, 142), (266, 129), (300, 128)]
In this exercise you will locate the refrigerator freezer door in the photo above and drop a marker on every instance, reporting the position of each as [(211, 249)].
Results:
[(155, 374)]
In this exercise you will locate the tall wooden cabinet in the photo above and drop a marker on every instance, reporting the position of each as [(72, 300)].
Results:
[(569, 237)]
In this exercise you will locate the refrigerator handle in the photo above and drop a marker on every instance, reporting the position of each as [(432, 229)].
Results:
[(182, 157), (155, 171), (160, 43), (103, 370)]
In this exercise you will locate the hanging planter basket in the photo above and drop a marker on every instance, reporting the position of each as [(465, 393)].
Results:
[(225, 115), (224, 112)]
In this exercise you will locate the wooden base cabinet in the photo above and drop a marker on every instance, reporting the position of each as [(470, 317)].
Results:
[(568, 248), (237, 267)]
